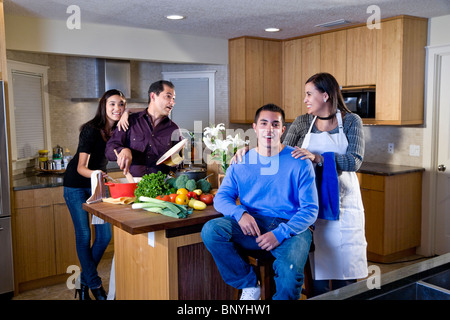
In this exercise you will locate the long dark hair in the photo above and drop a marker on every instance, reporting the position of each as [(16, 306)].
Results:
[(325, 82), (99, 120)]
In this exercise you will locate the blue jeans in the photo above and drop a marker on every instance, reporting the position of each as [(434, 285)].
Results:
[(88, 256), (223, 237)]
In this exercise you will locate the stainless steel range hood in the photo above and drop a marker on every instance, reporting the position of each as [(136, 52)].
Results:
[(110, 74), (113, 74)]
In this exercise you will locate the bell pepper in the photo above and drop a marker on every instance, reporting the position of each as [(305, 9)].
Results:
[(192, 194)]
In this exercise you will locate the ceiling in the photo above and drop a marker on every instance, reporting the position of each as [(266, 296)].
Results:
[(226, 18)]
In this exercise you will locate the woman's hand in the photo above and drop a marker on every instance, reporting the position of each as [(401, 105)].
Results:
[(239, 155), (303, 154), (123, 122)]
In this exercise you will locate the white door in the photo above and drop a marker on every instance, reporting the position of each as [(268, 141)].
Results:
[(442, 234)]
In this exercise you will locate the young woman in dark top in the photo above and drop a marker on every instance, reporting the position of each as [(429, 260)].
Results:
[(90, 156)]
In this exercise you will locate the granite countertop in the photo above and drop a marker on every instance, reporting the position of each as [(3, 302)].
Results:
[(35, 179), (383, 169), (411, 273)]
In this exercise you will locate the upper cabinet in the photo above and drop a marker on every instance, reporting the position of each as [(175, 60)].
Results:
[(333, 55), (301, 59), (255, 76), (392, 58), (401, 71), (361, 58)]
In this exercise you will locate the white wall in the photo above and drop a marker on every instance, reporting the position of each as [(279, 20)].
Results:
[(95, 40), (438, 31)]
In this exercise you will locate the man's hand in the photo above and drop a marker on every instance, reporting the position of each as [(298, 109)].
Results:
[(267, 241), (248, 225), (124, 160)]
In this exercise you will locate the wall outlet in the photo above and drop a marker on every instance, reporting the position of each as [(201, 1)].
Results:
[(414, 150), (391, 148)]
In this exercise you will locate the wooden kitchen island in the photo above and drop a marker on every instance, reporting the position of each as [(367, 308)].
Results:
[(159, 257)]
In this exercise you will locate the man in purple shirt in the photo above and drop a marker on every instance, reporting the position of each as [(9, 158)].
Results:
[(150, 134)]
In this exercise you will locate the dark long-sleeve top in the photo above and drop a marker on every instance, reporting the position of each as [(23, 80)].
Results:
[(147, 143), (353, 130)]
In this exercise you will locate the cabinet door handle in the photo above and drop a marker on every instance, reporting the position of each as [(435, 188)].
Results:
[(1, 229), (441, 167)]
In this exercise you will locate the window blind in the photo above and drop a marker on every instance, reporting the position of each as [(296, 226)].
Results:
[(28, 112), (192, 102)]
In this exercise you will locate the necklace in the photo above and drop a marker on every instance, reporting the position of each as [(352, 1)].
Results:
[(327, 118)]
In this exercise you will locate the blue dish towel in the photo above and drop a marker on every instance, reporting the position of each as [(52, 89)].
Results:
[(328, 188)]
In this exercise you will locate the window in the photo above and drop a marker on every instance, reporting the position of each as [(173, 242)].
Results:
[(194, 99), (29, 112)]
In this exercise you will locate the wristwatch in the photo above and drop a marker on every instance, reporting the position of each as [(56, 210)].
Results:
[(320, 163)]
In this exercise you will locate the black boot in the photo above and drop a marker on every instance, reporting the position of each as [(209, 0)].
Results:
[(83, 292), (99, 293)]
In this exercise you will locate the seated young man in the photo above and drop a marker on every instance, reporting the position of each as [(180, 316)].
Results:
[(278, 203)]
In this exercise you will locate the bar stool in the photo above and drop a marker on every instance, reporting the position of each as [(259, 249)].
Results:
[(263, 267)]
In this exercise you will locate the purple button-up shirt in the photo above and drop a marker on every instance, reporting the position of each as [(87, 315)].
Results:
[(147, 144)]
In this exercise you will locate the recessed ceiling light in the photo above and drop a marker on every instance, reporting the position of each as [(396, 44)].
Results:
[(175, 17), (272, 29)]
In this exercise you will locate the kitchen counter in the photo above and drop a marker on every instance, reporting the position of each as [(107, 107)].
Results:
[(383, 169), (136, 221), (390, 281), (160, 257), (37, 180)]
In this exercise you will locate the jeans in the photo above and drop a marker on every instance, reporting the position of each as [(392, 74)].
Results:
[(223, 237), (88, 256)]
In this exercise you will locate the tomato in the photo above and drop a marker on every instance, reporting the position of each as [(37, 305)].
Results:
[(182, 191), (159, 197), (182, 199), (192, 194), (207, 198), (166, 198), (172, 197)]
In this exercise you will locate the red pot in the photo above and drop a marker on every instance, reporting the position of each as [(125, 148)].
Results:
[(118, 190)]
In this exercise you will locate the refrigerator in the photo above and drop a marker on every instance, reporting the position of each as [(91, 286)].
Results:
[(6, 256)]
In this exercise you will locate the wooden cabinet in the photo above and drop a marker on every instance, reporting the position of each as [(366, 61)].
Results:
[(333, 55), (301, 59), (401, 71), (255, 76), (392, 206), (43, 235), (392, 58), (361, 56)]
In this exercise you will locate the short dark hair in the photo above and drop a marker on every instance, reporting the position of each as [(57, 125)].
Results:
[(158, 87), (270, 107)]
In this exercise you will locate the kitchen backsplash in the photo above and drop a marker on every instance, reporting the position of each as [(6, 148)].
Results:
[(74, 77)]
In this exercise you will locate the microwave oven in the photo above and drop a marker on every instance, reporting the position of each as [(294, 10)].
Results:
[(361, 102)]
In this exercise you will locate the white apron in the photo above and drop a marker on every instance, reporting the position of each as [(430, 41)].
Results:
[(340, 246)]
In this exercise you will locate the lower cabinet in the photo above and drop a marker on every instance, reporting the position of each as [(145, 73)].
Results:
[(392, 206), (43, 236)]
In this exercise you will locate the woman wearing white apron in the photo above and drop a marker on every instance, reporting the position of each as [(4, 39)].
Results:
[(340, 245)]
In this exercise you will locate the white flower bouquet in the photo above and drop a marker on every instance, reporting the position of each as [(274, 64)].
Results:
[(222, 149)]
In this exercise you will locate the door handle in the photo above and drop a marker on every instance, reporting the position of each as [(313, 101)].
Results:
[(441, 167)]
